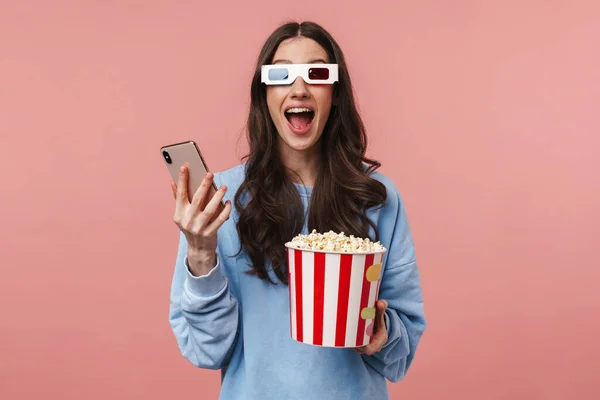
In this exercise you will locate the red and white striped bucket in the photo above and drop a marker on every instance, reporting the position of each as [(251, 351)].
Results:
[(332, 296)]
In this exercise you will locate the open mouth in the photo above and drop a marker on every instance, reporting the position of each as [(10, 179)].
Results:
[(300, 118)]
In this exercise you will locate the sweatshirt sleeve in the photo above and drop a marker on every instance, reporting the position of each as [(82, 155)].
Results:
[(401, 288), (203, 313)]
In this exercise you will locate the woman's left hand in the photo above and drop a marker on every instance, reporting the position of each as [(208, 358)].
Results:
[(380, 335)]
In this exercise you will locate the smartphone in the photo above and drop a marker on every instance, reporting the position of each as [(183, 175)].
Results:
[(177, 154)]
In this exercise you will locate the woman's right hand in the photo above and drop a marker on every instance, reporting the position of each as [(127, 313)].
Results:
[(199, 220)]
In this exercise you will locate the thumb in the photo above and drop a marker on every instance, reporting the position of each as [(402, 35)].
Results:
[(382, 305), (174, 189)]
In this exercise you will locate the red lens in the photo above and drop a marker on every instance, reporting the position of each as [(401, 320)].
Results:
[(318, 73)]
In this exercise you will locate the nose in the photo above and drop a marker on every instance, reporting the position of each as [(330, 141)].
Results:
[(299, 89)]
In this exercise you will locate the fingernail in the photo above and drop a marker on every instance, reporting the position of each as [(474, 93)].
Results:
[(223, 188), (209, 176), (182, 169)]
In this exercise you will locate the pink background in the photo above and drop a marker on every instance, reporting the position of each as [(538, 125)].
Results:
[(485, 115)]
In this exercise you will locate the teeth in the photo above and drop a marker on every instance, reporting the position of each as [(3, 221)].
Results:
[(298, 110)]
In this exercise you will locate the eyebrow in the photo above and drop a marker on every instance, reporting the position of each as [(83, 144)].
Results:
[(313, 61)]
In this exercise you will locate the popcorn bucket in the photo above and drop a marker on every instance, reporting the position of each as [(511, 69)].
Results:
[(332, 296)]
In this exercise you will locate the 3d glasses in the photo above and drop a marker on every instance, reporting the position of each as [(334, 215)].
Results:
[(286, 74)]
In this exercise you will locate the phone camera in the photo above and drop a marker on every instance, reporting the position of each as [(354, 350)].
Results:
[(167, 157)]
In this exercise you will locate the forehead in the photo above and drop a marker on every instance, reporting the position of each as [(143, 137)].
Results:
[(300, 50)]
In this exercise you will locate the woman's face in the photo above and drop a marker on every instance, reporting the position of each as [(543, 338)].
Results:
[(299, 131)]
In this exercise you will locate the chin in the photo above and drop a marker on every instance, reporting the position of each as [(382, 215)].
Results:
[(301, 142)]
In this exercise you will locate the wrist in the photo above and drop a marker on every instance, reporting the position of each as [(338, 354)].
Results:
[(201, 262)]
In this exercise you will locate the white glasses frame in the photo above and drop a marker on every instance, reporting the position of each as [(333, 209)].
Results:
[(298, 70)]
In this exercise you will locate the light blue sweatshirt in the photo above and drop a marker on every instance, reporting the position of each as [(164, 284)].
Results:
[(235, 322)]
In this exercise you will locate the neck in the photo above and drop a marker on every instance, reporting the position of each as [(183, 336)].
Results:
[(303, 165)]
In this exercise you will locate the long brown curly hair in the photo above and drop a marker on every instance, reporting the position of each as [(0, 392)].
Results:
[(343, 190)]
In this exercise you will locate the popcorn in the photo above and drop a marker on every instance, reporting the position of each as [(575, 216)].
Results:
[(337, 242)]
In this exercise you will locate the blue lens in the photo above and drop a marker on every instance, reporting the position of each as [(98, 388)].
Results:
[(278, 74)]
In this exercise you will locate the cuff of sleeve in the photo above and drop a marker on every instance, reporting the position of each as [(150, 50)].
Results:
[(206, 285), (389, 330), (386, 317)]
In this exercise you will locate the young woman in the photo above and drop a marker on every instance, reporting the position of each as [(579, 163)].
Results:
[(306, 170)]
